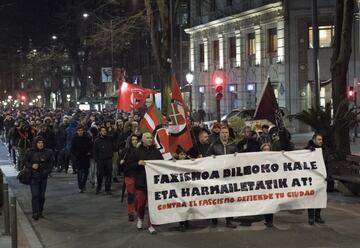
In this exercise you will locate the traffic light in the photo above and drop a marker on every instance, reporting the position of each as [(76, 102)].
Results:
[(351, 94), (219, 86)]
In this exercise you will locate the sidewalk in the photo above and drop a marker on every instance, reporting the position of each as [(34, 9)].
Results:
[(89, 220)]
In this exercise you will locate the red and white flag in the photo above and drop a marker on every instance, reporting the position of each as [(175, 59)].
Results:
[(155, 123), (132, 96), (179, 115)]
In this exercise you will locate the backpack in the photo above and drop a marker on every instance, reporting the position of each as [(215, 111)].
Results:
[(24, 176)]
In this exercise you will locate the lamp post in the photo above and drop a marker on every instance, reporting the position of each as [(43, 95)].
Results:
[(189, 79), (39, 98)]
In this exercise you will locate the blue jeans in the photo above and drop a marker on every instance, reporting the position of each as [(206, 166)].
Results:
[(38, 188)]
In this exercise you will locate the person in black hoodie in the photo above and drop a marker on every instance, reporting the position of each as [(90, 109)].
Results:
[(40, 161), (249, 142), (146, 151), (103, 153), (128, 162), (81, 150)]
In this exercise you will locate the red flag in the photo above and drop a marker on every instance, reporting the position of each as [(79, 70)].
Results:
[(179, 126), (268, 107), (132, 96), (155, 123)]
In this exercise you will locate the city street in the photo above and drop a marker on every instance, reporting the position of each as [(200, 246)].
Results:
[(89, 220)]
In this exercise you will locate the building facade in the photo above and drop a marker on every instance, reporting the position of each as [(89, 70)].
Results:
[(245, 42)]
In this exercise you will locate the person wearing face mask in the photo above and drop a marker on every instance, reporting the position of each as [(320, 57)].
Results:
[(40, 161), (129, 164), (103, 154), (146, 151)]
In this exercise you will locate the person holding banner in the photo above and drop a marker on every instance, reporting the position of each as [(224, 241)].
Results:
[(221, 147), (317, 142), (266, 147), (146, 151)]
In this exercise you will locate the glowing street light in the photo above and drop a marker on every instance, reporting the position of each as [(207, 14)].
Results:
[(86, 15), (54, 37)]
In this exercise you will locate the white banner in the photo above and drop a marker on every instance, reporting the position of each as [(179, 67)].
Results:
[(240, 184)]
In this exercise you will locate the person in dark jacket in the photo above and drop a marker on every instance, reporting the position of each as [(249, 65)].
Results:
[(40, 161), (220, 147), (81, 147), (69, 134), (129, 164), (103, 153), (201, 149), (249, 142), (317, 142), (63, 156), (146, 151)]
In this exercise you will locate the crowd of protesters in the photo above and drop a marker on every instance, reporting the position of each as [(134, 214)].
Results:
[(97, 146)]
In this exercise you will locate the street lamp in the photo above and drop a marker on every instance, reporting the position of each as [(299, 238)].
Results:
[(54, 37), (189, 79), (86, 15)]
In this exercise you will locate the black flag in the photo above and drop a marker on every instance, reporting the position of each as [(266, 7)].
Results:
[(268, 107)]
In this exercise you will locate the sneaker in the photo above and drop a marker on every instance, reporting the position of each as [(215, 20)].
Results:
[(182, 228), (131, 218), (152, 230), (269, 224), (139, 224), (319, 220), (81, 191), (35, 216), (231, 224), (311, 222), (214, 221)]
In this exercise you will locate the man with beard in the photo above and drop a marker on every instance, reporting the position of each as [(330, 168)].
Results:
[(224, 145)]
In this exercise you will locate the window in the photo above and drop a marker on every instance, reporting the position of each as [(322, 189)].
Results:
[(326, 34), (198, 8), (216, 50), (322, 97), (212, 5), (232, 47), (251, 44), (229, 2), (272, 40), (201, 52)]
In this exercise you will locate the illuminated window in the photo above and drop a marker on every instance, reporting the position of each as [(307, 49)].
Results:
[(322, 97), (272, 40), (251, 44), (326, 34)]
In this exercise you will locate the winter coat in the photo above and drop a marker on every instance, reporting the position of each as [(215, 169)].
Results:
[(44, 158), (249, 145), (49, 139), (130, 163), (60, 136), (69, 134), (326, 154), (199, 149), (218, 148), (81, 148), (103, 148), (144, 153)]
